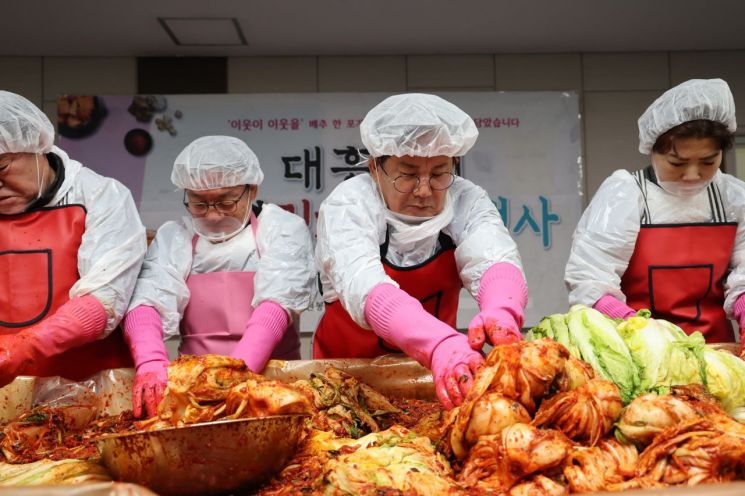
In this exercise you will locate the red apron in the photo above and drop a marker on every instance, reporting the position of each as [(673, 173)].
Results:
[(678, 272), (219, 309), (435, 283), (38, 266)]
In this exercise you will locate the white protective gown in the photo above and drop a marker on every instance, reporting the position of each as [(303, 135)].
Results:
[(285, 271), (352, 226), (114, 243), (606, 234)]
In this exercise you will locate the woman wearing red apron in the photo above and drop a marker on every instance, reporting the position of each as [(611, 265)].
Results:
[(668, 237), (396, 245), (71, 245), (229, 278)]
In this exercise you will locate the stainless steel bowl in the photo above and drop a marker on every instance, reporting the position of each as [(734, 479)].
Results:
[(207, 458)]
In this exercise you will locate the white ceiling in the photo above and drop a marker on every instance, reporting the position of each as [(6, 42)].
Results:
[(340, 27)]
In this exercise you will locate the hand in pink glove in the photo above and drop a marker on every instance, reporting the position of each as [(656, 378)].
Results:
[(498, 327), (502, 298), (739, 311), (143, 332), (454, 364), (150, 384), (401, 320), (264, 331), (613, 307), (79, 321)]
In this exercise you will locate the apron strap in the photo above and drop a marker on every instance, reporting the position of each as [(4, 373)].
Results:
[(641, 181), (716, 204)]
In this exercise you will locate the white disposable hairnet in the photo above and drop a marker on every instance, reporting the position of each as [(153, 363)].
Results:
[(418, 125), (709, 99), (212, 162), (24, 128)]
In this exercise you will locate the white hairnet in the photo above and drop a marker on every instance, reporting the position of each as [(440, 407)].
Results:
[(24, 128), (212, 162), (418, 125), (708, 99)]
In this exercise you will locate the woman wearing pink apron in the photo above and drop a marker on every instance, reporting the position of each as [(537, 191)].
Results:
[(230, 279), (668, 237), (396, 246)]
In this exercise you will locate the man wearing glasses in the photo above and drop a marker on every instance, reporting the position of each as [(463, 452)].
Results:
[(71, 246), (396, 246), (230, 278)]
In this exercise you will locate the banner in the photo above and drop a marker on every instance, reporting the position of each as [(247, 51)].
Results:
[(527, 157)]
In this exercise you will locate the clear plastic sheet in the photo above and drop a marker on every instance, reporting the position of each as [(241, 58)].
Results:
[(109, 392), (392, 375), (16, 398)]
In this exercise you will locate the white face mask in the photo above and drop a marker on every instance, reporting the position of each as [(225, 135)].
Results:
[(411, 219), (222, 229), (407, 229), (683, 189)]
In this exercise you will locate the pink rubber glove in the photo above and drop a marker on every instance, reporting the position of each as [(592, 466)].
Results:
[(143, 332), (502, 298), (79, 321), (264, 331), (613, 307), (454, 364), (739, 311), (402, 321)]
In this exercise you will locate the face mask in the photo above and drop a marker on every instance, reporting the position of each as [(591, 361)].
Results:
[(683, 189), (407, 229), (222, 229), (411, 219)]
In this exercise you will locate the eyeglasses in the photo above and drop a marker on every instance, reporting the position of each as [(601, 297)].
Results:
[(222, 207), (408, 183)]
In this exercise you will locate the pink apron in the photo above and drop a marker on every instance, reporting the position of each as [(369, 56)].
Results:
[(219, 309)]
